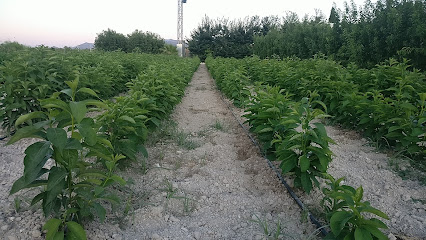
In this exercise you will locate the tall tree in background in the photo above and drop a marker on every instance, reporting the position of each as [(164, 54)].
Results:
[(226, 38), (137, 41), (110, 40), (145, 42), (364, 35)]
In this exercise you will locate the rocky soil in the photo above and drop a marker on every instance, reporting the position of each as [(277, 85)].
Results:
[(205, 180)]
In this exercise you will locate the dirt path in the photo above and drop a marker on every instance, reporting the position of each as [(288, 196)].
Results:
[(214, 190)]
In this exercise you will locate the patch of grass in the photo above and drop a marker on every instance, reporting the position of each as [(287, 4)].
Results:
[(218, 125), (164, 131), (182, 139), (17, 203), (168, 188), (272, 233)]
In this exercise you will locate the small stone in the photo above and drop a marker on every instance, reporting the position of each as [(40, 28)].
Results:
[(179, 152), (197, 235), (117, 236), (174, 219), (184, 229), (166, 217), (387, 187), (155, 237), (157, 211), (258, 237), (12, 238), (244, 225), (18, 219), (4, 227), (406, 197), (391, 237), (35, 233), (268, 216), (11, 219)]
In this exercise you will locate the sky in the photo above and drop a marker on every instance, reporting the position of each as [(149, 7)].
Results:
[(72, 22)]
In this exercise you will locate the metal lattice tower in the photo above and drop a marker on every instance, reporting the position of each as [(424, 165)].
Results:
[(181, 43)]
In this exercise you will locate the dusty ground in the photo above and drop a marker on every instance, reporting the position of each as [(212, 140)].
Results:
[(205, 180)]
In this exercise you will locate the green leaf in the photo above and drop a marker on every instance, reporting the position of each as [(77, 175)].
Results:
[(25, 132), (118, 179), (58, 137), (78, 110), (76, 231), (338, 221), (59, 235), (73, 143), (105, 142), (362, 234), (100, 211), (376, 212), (18, 185), (393, 128), (359, 194), (127, 118), (52, 227), (287, 166), (73, 84), (306, 182), (304, 163), (417, 132), (56, 176), (38, 198), (91, 102), (88, 91), (67, 91), (375, 232), (408, 106), (35, 158), (70, 157), (29, 116), (86, 130), (55, 103), (142, 149)]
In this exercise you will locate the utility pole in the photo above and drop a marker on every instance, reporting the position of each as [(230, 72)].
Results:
[(181, 43)]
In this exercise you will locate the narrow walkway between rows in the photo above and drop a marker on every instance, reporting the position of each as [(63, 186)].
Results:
[(209, 182)]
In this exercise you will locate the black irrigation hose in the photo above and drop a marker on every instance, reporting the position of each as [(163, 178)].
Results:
[(289, 189), (11, 134)]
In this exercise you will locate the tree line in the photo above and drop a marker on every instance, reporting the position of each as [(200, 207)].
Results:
[(137, 41), (364, 35)]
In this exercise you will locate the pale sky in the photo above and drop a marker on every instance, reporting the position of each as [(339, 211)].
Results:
[(72, 22)]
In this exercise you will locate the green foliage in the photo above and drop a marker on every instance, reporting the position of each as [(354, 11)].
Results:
[(30, 74), (306, 151), (285, 121), (385, 103), (224, 38), (264, 113), (136, 42), (144, 42), (231, 78), (110, 40), (345, 211), (74, 188), (125, 124), (365, 35)]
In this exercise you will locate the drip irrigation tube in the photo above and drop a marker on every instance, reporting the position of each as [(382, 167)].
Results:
[(278, 173), (4, 137)]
